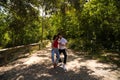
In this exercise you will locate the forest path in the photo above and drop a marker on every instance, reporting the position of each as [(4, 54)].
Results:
[(38, 66)]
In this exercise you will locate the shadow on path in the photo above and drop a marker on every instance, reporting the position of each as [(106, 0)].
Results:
[(43, 72)]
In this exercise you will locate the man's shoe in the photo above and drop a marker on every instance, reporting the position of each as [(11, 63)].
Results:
[(64, 67)]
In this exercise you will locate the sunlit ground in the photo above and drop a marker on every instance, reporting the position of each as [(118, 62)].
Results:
[(38, 66)]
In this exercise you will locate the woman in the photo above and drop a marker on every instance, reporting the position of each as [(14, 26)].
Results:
[(55, 51)]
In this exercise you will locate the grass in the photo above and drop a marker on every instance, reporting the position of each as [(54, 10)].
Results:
[(106, 57)]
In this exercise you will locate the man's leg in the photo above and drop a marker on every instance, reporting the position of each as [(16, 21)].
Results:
[(60, 51), (65, 56)]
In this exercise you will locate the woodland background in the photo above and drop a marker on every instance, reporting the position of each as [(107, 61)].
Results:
[(88, 25)]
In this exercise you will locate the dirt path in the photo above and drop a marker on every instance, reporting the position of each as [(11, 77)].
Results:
[(38, 67)]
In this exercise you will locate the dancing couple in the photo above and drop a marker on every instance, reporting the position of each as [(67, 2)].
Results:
[(58, 47)]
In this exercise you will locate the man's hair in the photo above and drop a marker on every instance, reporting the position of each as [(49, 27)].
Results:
[(59, 34)]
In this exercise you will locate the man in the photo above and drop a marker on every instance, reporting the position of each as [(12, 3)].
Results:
[(62, 49)]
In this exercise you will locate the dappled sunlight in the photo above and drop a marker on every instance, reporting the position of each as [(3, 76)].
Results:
[(99, 69), (35, 60), (43, 74), (38, 66), (20, 77), (74, 65)]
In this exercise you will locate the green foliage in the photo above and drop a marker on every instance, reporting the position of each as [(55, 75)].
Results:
[(91, 26), (3, 27), (88, 25), (19, 23), (100, 22)]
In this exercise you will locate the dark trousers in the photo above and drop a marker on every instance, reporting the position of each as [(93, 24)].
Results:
[(65, 55)]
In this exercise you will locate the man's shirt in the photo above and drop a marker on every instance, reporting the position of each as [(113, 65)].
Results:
[(62, 43)]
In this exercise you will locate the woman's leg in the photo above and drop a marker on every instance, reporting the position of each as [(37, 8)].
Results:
[(58, 56), (52, 55)]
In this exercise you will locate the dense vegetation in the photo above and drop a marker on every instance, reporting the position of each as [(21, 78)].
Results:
[(90, 25)]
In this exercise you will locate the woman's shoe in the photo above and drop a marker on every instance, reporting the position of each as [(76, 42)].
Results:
[(55, 65)]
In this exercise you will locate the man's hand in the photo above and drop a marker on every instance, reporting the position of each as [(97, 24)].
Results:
[(62, 44)]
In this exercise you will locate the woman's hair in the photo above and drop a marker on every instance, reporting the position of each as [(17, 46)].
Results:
[(54, 37)]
